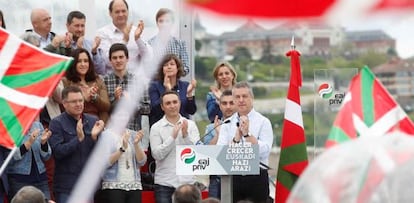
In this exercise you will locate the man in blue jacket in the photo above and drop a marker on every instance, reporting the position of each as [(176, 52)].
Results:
[(73, 137)]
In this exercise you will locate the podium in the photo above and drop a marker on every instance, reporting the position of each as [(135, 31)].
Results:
[(224, 160)]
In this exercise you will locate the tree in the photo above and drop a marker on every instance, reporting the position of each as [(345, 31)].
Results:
[(242, 54), (267, 56)]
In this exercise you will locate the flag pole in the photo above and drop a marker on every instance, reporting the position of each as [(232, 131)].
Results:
[(6, 162), (292, 43)]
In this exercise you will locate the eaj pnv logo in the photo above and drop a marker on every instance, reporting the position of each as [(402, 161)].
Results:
[(325, 91), (188, 155)]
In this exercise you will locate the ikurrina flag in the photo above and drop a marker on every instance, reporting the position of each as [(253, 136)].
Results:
[(27, 77), (293, 156), (368, 110), (299, 9)]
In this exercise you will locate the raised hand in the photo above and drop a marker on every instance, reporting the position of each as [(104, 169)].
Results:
[(244, 125), (79, 130), (216, 91), (138, 31), (79, 42), (184, 128), (93, 92), (125, 137), (57, 40), (95, 44), (45, 136), (191, 87), (177, 128), (138, 137), (118, 92), (126, 32), (68, 39), (97, 128), (33, 136), (167, 83), (217, 124)]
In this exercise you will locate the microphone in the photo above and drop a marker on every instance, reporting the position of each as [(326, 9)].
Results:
[(200, 141)]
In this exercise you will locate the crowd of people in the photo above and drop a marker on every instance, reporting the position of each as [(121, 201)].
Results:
[(103, 73)]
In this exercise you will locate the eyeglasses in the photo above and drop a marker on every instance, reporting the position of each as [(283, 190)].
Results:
[(74, 101)]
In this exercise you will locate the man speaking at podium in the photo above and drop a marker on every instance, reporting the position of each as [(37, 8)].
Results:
[(248, 125)]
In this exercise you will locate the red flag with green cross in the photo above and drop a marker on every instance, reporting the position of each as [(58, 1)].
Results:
[(368, 109), (27, 77), (293, 156)]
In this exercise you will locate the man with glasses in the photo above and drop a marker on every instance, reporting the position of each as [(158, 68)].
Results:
[(74, 135)]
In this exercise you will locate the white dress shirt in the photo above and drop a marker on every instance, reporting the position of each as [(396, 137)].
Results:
[(163, 151), (259, 126), (137, 50)]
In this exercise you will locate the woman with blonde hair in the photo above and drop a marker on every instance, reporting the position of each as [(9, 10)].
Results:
[(225, 77)]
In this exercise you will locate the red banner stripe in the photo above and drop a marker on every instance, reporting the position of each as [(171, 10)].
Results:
[(42, 89), (28, 59), (6, 138), (292, 134)]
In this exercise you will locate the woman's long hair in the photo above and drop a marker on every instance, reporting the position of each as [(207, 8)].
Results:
[(73, 75)]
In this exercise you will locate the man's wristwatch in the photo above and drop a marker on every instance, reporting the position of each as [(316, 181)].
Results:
[(235, 141), (247, 135), (121, 149)]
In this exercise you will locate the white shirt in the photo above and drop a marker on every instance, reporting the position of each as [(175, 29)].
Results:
[(44, 41), (163, 151), (259, 126), (137, 50)]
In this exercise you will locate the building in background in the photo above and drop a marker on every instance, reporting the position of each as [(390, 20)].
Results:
[(397, 75), (312, 38)]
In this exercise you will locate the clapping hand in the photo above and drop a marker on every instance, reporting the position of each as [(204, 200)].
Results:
[(138, 31), (97, 128), (216, 91), (138, 137), (167, 83), (184, 128), (79, 42), (45, 136), (126, 32), (95, 45), (191, 87), (125, 137), (33, 136)]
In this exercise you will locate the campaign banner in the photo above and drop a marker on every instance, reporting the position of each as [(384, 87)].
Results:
[(233, 159), (331, 86)]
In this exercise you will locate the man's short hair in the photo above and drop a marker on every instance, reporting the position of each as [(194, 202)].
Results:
[(112, 3), (167, 93), (163, 11), (210, 200), (244, 84), (187, 193), (29, 194), (118, 47), (74, 14), (226, 93), (70, 89)]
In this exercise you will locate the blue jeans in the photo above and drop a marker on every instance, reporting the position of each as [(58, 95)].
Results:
[(16, 186), (61, 197), (214, 188), (163, 194)]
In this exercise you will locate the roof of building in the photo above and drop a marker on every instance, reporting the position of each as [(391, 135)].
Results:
[(394, 65), (369, 35)]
